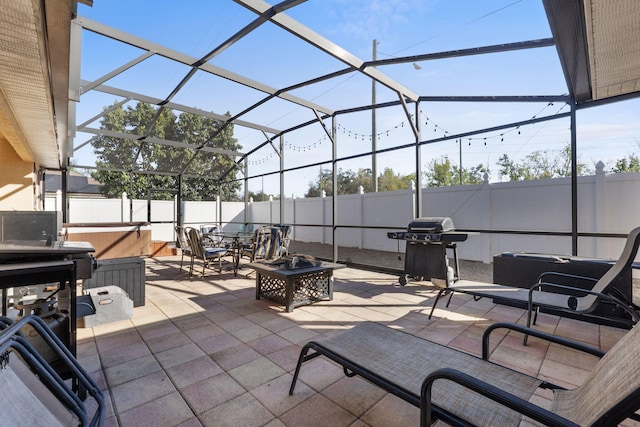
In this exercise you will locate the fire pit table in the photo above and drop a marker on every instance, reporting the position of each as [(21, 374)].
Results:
[(294, 281)]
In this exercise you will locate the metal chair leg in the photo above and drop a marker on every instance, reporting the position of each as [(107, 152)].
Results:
[(441, 292)]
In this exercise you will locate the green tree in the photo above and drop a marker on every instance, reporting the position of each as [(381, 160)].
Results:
[(117, 155), (259, 196), (390, 181), (349, 182), (631, 163), (539, 165), (442, 173)]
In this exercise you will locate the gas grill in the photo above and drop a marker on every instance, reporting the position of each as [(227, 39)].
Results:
[(427, 241)]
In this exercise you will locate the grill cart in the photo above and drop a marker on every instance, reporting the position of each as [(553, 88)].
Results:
[(427, 241)]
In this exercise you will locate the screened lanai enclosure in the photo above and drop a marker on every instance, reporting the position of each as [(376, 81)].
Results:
[(242, 100)]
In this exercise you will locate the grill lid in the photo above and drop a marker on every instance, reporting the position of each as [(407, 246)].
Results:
[(431, 225)]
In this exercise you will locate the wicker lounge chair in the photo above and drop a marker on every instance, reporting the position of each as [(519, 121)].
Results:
[(548, 295), (462, 389)]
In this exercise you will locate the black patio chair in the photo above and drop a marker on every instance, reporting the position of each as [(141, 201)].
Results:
[(36, 394), (465, 390), (555, 296)]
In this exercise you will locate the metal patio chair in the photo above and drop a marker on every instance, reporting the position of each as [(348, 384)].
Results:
[(183, 244), (265, 244), (202, 252), (283, 247), (548, 295)]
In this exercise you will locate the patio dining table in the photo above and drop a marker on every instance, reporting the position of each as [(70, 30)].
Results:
[(233, 241)]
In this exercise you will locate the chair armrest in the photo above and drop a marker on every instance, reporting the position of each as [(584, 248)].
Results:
[(538, 334), (547, 285), (625, 305), (565, 275), (619, 298), (543, 283), (497, 395)]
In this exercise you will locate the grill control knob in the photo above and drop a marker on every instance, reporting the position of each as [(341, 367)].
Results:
[(414, 237)]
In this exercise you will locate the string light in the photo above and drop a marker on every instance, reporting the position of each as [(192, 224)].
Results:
[(359, 137), (386, 133), (436, 127)]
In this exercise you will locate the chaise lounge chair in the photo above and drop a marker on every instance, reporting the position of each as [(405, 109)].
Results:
[(465, 390), (548, 295), (33, 393)]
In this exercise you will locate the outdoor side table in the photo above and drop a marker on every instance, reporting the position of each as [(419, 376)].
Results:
[(294, 287)]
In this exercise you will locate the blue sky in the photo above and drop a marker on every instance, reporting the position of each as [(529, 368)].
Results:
[(401, 27)]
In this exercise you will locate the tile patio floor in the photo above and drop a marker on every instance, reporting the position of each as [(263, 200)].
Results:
[(207, 353)]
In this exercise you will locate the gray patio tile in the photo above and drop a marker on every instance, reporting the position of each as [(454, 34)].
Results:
[(192, 321), (124, 354), (178, 355), (356, 395), (234, 324), (278, 324), (157, 330), (166, 411), (250, 333), (141, 390), (193, 371), (274, 394), (131, 370), (118, 340), (392, 411), (287, 358), (235, 356), (298, 334), (167, 342), (203, 332), (561, 374), (306, 414), (211, 392), (255, 373), (269, 344), (243, 410), (218, 343), (319, 373), (191, 422)]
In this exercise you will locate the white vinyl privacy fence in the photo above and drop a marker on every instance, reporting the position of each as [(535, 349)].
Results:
[(606, 204)]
